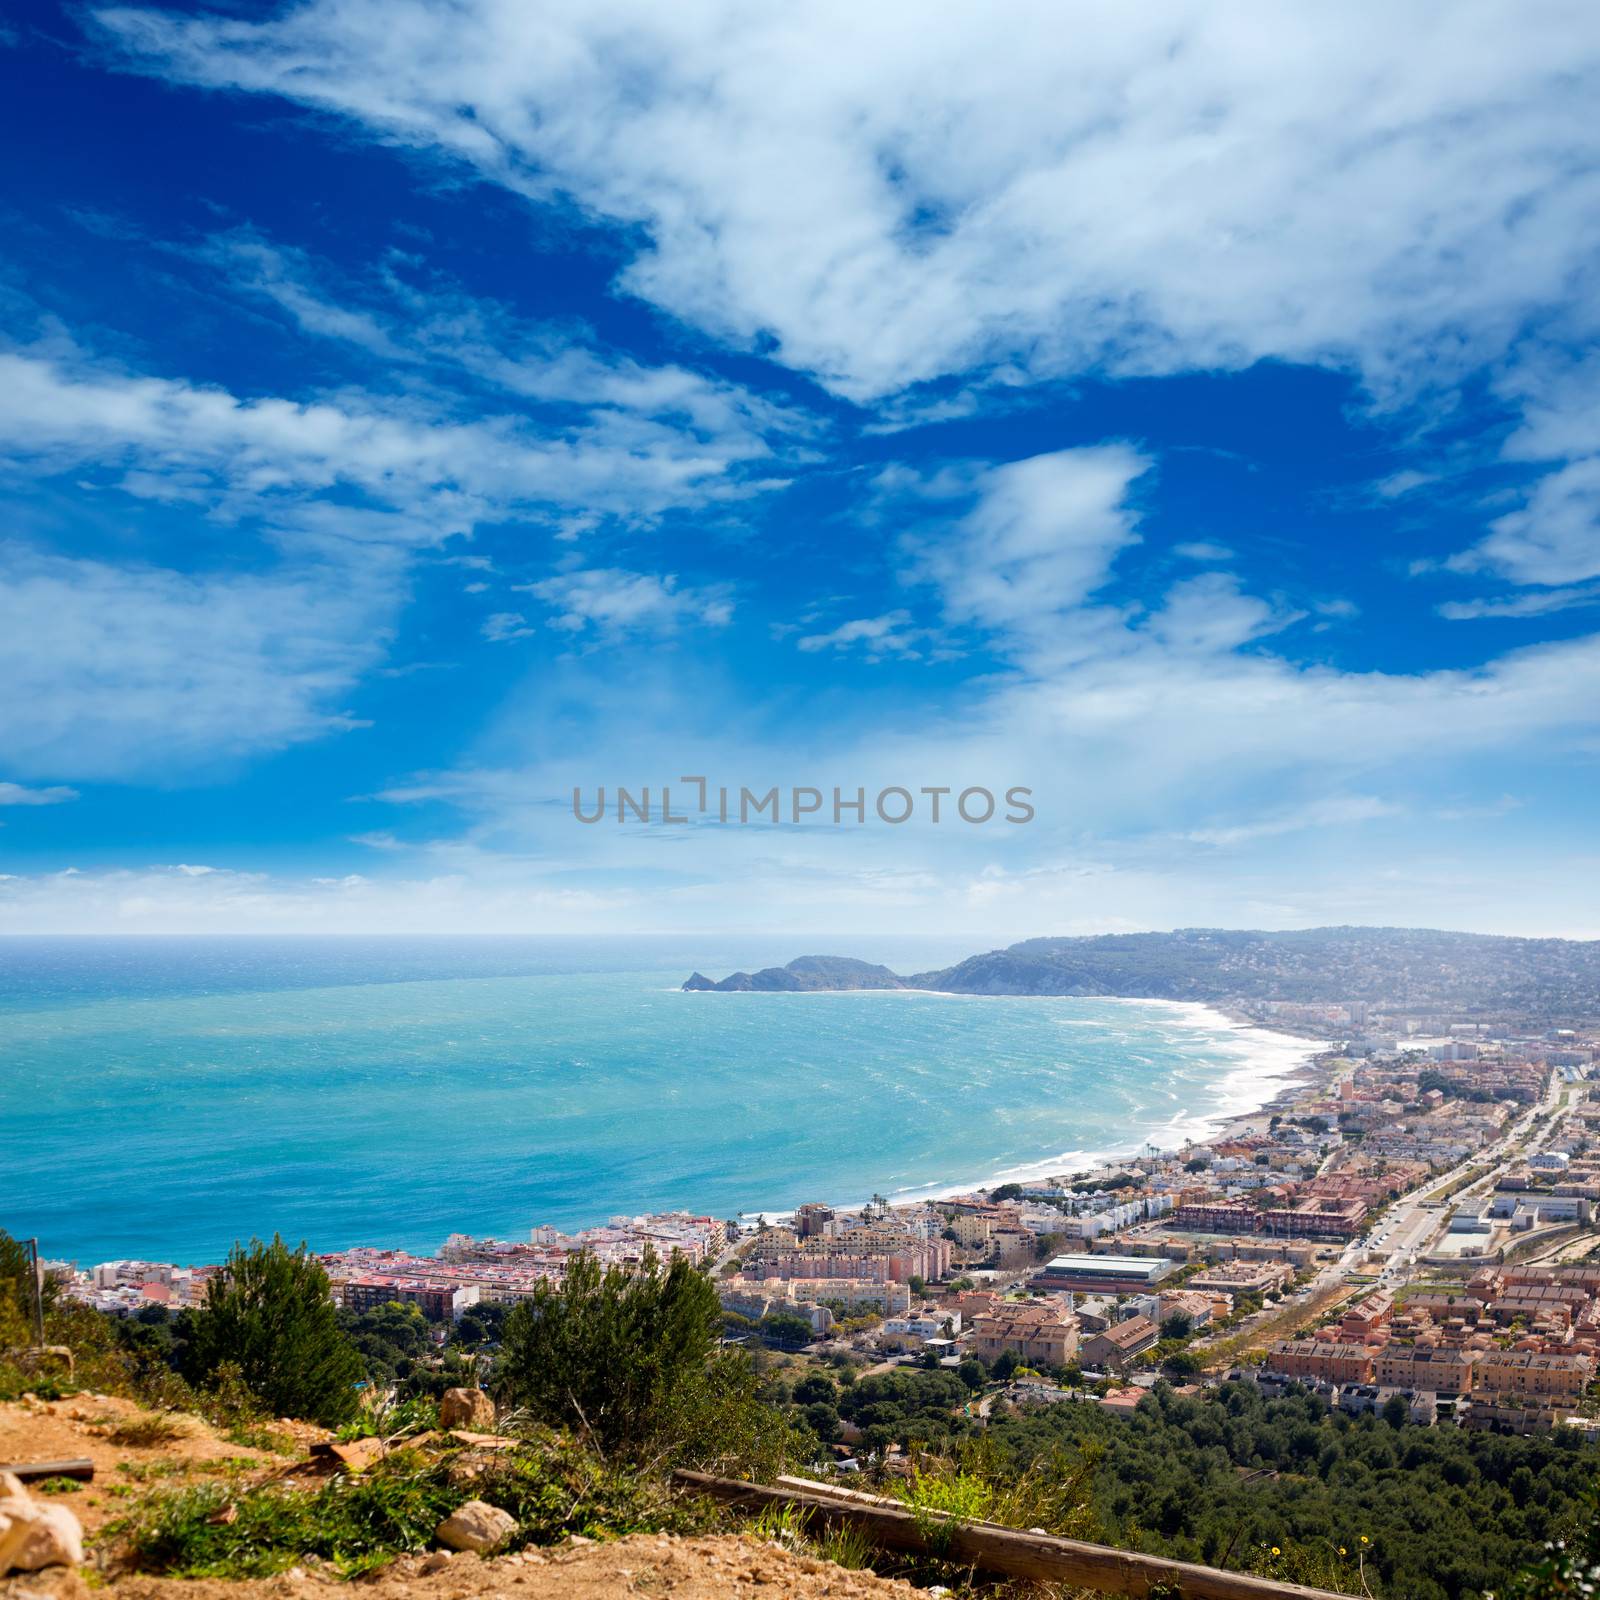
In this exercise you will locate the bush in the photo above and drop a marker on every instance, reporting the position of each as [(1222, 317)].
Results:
[(214, 1530), (629, 1362), (269, 1315), (355, 1523)]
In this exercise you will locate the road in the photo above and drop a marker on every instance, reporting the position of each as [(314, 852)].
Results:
[(1408, 1226)]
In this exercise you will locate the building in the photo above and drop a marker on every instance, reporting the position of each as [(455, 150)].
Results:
[(1320, 1361), (1242, 1277), (812, 1219), (1040, 1334), (1424, 1368), (1531, 1374), (1321, 1217), (1103, 1274), (438, 1302), (1120, 1342), (1215, 1216), (913, 1330)]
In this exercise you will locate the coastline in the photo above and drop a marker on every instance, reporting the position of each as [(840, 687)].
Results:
[(1010, 1096), (1271, 1076)]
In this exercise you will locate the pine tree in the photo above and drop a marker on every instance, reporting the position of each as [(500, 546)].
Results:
[(269, 1315)]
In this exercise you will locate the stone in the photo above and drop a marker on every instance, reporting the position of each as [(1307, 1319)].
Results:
[(35, 1535), (437, 1562), (476, 1526), (466, 1408)]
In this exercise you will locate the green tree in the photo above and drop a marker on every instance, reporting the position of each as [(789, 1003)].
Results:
[(269, 1316), (16, 1284), (816, 1388), (392, 1338), (629, 1361)]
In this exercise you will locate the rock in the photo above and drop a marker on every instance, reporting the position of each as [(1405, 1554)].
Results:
[(476, 1526), (466, 1408), (437, 1562), (35, 1535)]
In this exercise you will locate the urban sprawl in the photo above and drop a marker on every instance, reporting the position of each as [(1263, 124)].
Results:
[(1407, 1229)]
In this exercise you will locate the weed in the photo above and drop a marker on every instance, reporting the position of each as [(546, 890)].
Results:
[(551, 1486), (382, 1417), (146, 1431), (58, 1486), (218, 1530), (256, 1436)]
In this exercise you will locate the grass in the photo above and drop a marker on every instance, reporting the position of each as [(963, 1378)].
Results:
[(358, 1522), (212, 1530), (146, 1431), (790, 1529), (57, 1486)]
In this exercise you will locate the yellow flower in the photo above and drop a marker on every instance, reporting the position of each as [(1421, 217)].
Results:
[(1276, 1551), (1364, 1539), (1341, 1549)]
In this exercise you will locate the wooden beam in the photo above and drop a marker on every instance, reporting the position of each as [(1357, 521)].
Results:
[(79, 1467), (992, 1548)]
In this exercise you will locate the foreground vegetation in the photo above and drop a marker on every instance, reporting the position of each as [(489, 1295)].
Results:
[(622, 1377)]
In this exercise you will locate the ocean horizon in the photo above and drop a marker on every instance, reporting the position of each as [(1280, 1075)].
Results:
[(164, 1098)]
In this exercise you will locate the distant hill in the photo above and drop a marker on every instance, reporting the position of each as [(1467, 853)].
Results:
[(1403, 967), (806, 973)]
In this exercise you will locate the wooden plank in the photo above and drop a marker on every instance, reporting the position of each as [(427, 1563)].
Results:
[(78, 1467), (1006, 1551)]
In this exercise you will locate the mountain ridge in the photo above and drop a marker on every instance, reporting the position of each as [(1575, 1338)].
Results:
[(1403, 967)]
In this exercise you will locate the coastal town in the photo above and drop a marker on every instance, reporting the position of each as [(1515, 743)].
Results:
[(1408, 1228)]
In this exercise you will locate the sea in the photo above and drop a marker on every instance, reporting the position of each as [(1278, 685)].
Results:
[(162, 1098)]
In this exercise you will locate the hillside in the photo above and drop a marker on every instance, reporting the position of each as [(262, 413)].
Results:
[(190, 1456), (1403, 967), (807, 973)]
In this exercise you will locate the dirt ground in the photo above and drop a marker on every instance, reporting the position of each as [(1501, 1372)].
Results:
[(719, 1567), (52, 1430)]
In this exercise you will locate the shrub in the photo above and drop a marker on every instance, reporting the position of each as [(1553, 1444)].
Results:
[(270, 1316), (629, 1362)]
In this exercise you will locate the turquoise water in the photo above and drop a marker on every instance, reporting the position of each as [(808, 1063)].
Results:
[(163, 1101)]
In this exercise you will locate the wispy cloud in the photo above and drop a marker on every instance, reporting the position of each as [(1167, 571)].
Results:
[(841, 184), (609, 600), (117, 671), (1336, 811), (16, 794), (1536, 603), (891, 634)]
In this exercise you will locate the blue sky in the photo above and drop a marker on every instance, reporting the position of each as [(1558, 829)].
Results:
[(411, 411)]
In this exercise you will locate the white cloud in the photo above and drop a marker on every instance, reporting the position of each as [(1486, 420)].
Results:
[(223, 900), (1539, 603), (1171, 188), (15, 794), (118, 671), (1554, 537), (614, 601), (890, 634), (1334, 811), (1039, 538), (268, 455), (504, 626), (438, 325)]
